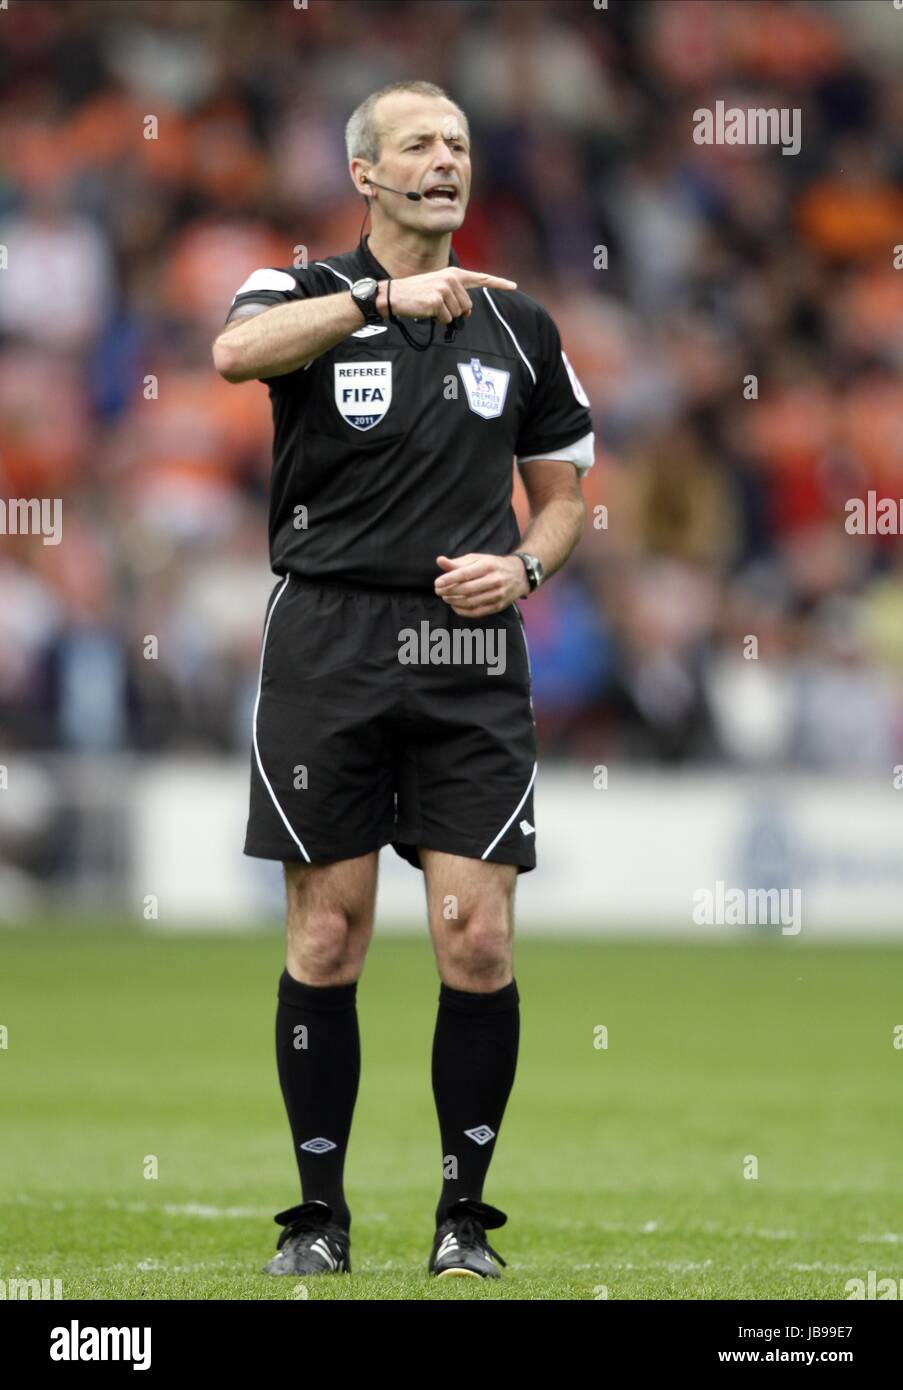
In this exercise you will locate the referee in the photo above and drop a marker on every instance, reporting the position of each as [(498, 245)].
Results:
[(394, 703)]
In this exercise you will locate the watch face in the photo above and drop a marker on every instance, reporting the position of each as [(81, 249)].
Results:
[(533, 568), (365, 293)]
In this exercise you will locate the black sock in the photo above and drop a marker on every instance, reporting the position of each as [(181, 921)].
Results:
[(319, 1071), (474, 1060)]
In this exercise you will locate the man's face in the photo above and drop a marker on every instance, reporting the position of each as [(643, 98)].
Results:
[(424, 143)]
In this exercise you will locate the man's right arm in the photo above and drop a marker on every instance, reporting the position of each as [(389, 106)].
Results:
[(264, 340)]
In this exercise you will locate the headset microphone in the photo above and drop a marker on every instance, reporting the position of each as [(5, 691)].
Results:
[(414, 197), (456, 324)]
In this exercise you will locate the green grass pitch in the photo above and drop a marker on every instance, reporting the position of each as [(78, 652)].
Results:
[(621, 1168)]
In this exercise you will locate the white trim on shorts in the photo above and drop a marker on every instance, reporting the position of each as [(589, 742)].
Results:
[(266, 781), (488, 851)]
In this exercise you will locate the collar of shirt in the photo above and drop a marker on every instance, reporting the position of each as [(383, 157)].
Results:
[(379, 272)]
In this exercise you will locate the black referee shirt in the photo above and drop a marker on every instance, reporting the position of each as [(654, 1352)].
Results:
[(385, 457)]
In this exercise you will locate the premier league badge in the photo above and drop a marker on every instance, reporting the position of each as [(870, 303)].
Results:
[(486, 388)]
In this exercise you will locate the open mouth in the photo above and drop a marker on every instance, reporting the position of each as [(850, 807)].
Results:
[(442, 194)]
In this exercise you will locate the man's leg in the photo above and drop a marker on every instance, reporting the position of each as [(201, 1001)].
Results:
[(329, 925), (471, 915)]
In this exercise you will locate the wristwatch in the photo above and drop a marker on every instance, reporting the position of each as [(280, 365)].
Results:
[(364, 293), (533, 566)]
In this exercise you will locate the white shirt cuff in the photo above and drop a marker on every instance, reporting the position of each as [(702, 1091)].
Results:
[(580, 454)]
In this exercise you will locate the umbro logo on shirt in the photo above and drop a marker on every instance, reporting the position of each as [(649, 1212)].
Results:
[(368, 330), (526, 828)]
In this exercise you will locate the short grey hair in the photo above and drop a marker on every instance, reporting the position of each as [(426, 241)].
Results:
[(362, 132)]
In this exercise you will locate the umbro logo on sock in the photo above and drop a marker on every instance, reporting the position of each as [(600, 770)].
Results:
[(481, 1135), (526, 828), (317, 1146)]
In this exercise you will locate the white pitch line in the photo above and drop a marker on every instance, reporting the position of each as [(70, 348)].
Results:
[(647, 1228), (199, 1209), (160, 1267), (208, 1212), (820, 1265)]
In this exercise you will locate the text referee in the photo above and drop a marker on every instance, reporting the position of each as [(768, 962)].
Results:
[(394, 699)]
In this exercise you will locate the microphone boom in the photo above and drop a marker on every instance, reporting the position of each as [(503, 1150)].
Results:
[(414, 197)]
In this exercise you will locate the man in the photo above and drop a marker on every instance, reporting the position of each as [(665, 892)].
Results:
[(394, 699)]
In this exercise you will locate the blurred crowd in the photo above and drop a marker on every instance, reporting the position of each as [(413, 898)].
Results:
[(735, 315)]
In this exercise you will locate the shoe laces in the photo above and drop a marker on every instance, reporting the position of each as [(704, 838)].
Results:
[(470, 1234)]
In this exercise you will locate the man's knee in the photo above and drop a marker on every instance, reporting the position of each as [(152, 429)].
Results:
[(329, 921), (475, 950), (472, 919), (324, 940)]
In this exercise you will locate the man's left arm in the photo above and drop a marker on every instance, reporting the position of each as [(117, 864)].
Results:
[(478, 585)]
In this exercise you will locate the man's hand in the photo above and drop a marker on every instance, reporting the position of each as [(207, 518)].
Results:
[(439, 294), (475, 586)]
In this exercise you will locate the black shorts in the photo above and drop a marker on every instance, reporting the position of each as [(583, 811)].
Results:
[(383, 717)]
